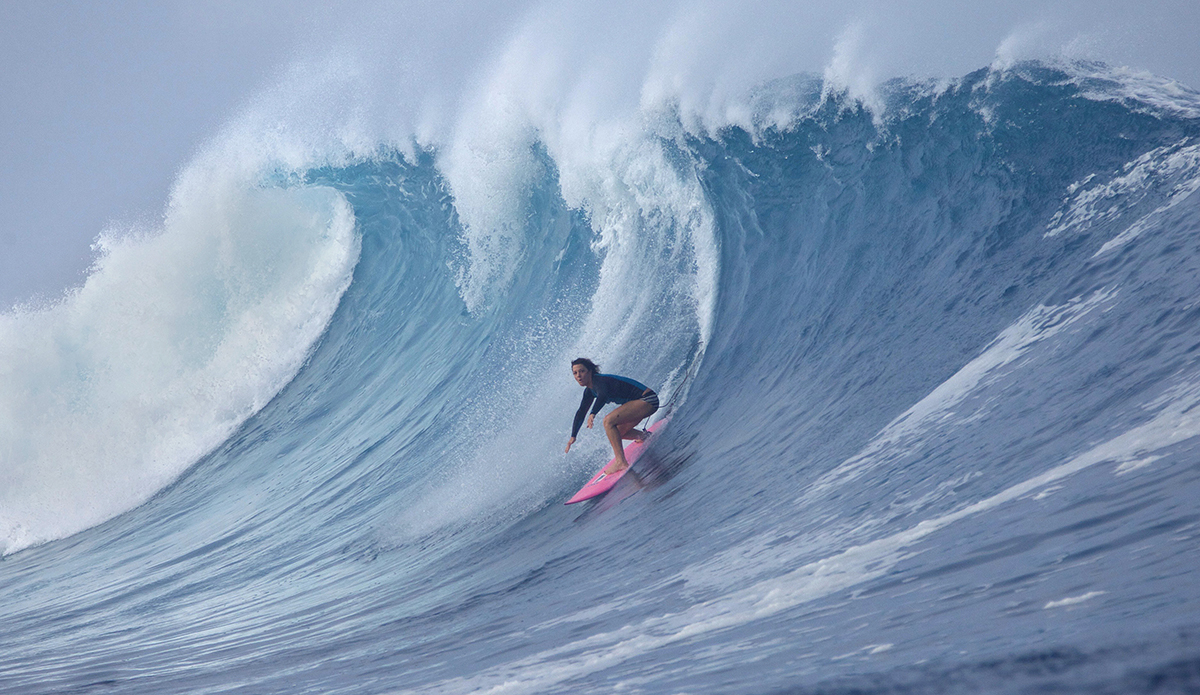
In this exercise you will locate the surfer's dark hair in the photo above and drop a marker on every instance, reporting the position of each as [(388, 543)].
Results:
[(592, 366)]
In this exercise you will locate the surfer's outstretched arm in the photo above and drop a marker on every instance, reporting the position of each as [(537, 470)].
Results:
[(588, 397)]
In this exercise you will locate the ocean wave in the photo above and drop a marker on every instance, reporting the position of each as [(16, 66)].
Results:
[(928, 355)]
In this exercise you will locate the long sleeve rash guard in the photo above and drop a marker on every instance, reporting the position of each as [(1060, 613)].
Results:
[(606, 388)]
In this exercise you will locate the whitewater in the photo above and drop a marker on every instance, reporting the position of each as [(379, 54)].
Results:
[(931, 353)]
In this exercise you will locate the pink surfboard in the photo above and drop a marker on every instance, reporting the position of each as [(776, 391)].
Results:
[(601, 483)]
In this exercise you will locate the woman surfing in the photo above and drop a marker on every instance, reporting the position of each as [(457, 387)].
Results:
[(635, 402)]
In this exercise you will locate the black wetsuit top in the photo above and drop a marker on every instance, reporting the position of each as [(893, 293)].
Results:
[(607, 388)]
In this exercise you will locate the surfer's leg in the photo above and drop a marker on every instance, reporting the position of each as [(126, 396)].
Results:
[(626, 415), (650, 398), (628, 433)]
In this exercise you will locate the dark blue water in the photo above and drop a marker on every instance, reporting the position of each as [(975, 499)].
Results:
[(933, 376)]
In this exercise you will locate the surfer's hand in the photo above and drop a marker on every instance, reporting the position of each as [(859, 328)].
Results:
[(569, 443), (590, 418)]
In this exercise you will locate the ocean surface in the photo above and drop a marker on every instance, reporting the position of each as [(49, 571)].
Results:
[(932, 366)]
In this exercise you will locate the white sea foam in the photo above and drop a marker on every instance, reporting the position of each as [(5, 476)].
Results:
[(1173, 169), (178, 335), (1073, 600), (998, 359), (1137, 89)]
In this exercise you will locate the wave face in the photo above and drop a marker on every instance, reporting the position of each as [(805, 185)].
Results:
[(932, 370)]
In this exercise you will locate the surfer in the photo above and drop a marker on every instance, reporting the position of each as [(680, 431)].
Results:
[(635, 402)]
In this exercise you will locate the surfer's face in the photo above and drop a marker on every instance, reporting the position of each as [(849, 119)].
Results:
[(582, 375)]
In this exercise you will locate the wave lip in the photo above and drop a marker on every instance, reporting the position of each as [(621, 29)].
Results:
[(174, 340)]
